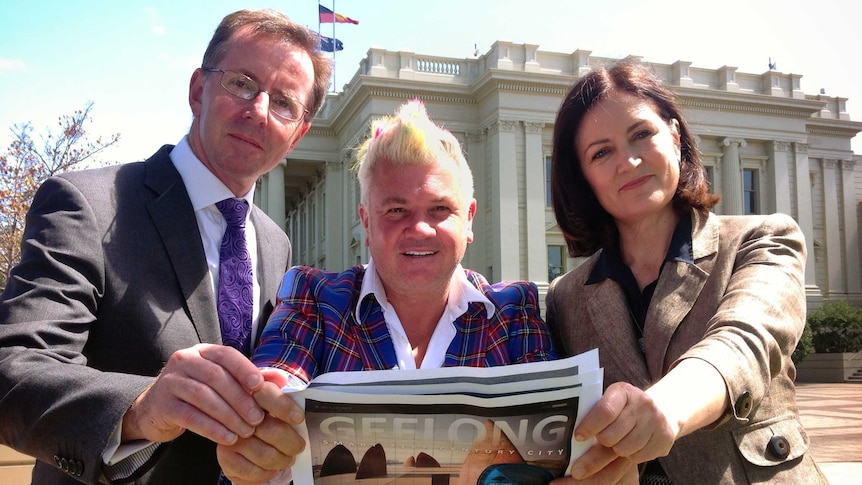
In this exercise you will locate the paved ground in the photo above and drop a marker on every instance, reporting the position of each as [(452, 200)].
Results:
[(832, 416)]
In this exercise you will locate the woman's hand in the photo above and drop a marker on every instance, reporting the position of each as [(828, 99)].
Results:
[(639, 425), (627, 423)]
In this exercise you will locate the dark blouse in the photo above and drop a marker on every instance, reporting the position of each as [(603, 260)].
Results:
[(610, 265)]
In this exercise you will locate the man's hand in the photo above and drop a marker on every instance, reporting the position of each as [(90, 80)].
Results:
[(275, 443), (627, 423), (206, 389)]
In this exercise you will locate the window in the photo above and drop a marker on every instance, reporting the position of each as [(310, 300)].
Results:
[(556, 262), (548, 182), (749, 191)]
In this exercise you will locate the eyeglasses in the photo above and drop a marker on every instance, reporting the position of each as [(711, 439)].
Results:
[(244, 87)]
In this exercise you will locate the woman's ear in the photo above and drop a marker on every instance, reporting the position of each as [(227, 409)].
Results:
[(674, 130)]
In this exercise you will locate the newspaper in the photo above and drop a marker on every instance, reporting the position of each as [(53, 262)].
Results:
[(453, 426)]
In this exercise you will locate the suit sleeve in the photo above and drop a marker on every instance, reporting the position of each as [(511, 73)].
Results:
[(529, 337), (52, 405), (761, 315), (292, 335)]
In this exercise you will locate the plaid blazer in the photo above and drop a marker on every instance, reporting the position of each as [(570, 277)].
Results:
[(314, 328)]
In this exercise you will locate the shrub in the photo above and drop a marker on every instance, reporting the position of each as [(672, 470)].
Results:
[(836, 327), (805, 345)]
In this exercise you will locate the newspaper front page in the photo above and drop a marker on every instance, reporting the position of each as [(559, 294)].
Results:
[(453, 426)]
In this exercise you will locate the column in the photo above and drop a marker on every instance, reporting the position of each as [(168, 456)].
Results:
[(731, 173), (831, 230), (805, 215), (505, 230), (335, 218), (536, 251), (781, 177), (851, 230), (477, 256), (275, 194)]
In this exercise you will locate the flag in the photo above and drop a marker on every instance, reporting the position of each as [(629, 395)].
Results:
[(329, 17), (328, 44)]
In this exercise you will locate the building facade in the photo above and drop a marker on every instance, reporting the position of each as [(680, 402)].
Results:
[(767, 146)]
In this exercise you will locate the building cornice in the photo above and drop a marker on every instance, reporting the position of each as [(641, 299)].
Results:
[(710, 99), (829, 126)]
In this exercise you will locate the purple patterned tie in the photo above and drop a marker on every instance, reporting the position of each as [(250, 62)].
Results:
[(234, 278)]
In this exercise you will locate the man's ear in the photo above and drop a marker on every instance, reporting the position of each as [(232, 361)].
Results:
[(363, 217), (302, 131), (471, 212), (196, 91)]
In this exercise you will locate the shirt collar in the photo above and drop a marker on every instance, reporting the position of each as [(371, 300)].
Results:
[(610, 263), (203, 187), (461, 292)]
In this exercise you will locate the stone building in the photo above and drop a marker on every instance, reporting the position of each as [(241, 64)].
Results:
[(767, 146)]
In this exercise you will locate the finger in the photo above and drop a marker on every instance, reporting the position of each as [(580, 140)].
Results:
[(239, 469), (619, 471), (273, 447), (160, 415), (241, 369), (271, 398), (283, 438), (641, 432), (593, 461), (277, 376), (604, 412), (658, 445), (177, 400), (212, 388)]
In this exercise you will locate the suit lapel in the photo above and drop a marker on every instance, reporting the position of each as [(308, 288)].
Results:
[(174, 219), (271, 273), (375, 343), (607, 307), (678, 288), (265, 252)]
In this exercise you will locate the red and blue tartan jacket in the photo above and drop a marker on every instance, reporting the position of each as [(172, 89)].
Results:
[(314, 328)]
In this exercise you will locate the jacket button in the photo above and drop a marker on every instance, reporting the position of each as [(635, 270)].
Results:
[(743, 405), (64, 465), (779, 447)]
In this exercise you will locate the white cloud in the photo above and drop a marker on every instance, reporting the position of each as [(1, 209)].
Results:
[(157, 26), (11, 65)]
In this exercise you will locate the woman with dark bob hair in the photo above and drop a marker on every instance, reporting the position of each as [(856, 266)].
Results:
[(695, 315)]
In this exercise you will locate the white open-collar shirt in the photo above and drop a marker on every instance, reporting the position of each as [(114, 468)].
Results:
[(461, 294)]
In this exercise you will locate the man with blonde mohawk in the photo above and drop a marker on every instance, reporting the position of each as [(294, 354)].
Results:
[(413, 300)]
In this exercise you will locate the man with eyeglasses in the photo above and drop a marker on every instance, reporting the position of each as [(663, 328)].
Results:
[(112, 367)]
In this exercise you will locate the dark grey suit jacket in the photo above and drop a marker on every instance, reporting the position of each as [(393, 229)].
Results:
[(112, 281), (739, 307)]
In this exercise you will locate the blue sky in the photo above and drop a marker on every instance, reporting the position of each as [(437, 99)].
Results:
[(133, 59)]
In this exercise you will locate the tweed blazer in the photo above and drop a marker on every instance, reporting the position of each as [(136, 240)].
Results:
[(113, 280), (314, 328), (741, 308)]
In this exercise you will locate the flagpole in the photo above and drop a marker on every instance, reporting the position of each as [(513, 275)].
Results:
[(334, 45)]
